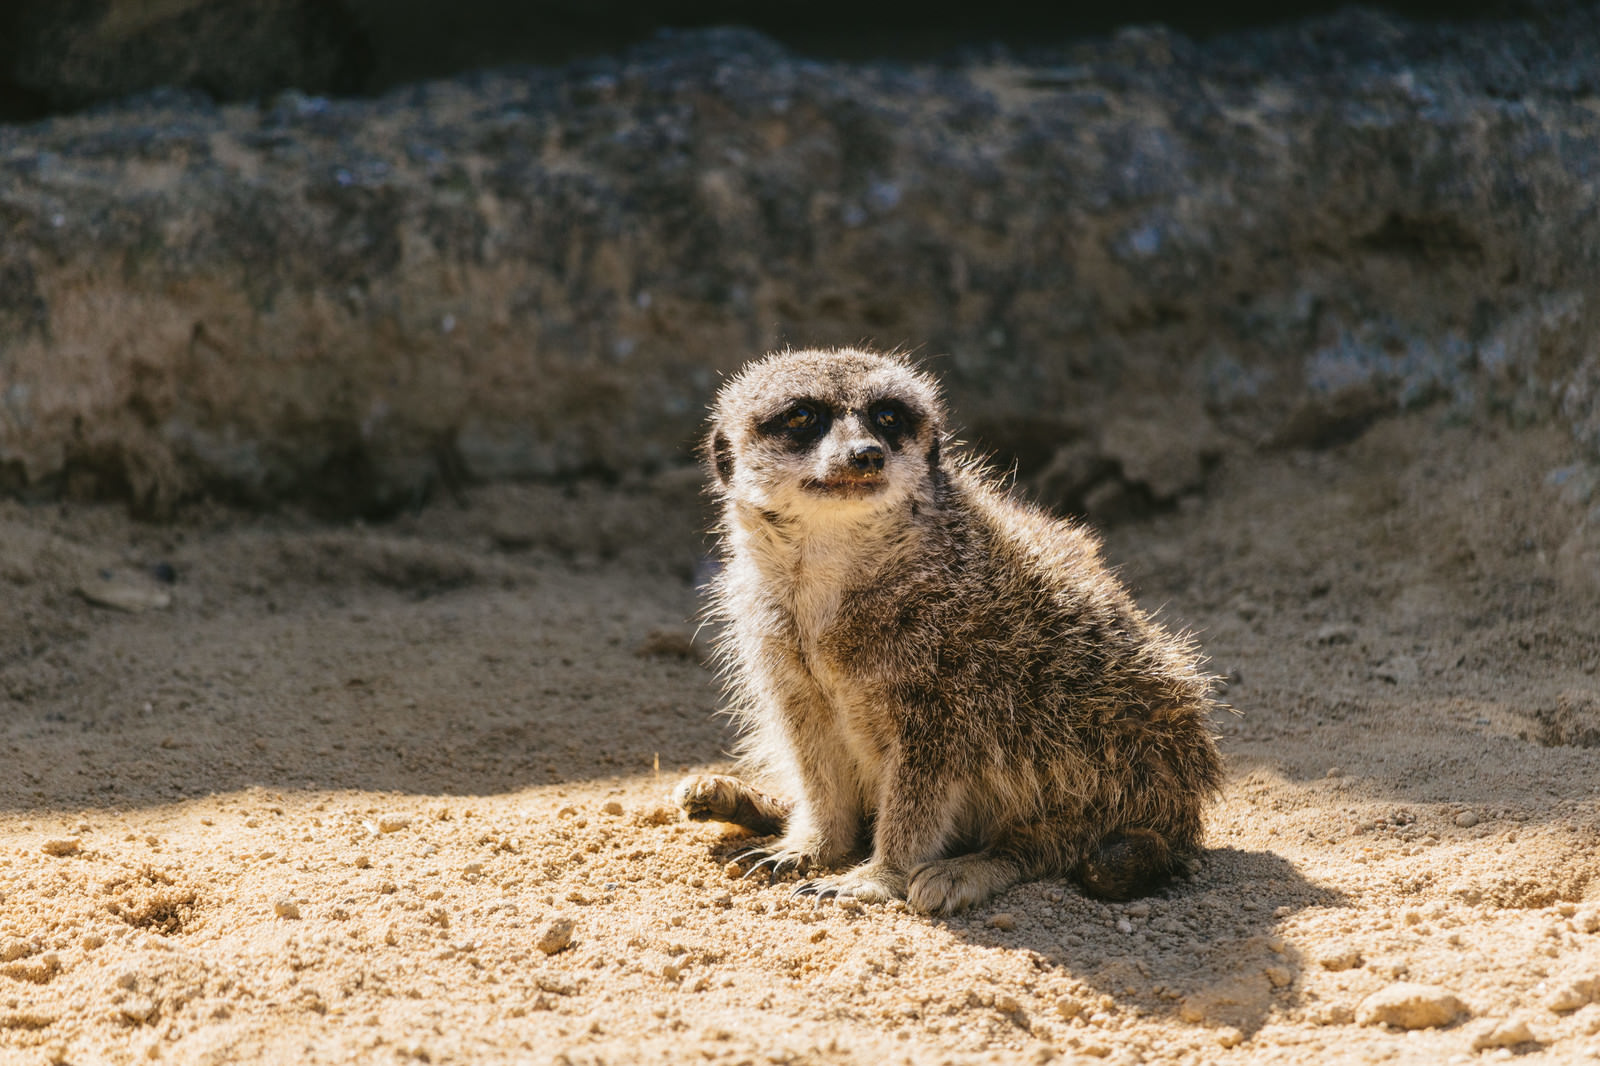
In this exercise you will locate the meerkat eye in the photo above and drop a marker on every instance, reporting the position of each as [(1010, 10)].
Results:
[(798, 425), (886, 418), (799, 417)]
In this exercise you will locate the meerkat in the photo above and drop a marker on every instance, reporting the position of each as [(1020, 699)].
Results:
[(932, 673)]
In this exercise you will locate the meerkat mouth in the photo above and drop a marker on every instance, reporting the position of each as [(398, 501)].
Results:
[(846, 486)]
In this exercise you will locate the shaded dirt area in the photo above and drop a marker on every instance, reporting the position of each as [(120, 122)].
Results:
[(328, 804)]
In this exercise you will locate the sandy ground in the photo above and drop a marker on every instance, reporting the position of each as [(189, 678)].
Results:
[(329, 802)]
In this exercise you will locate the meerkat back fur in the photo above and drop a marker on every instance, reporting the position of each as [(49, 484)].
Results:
[(931, 673)]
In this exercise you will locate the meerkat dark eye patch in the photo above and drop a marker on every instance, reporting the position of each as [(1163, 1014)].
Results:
[(892, 422), (722, 457), (801, 423)]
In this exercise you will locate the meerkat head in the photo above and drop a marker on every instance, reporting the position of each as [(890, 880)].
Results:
[(802, 433)]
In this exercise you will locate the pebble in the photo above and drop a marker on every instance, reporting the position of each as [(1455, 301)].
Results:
[(62, 847), (393, 823), (1340, 957), (1336, 633), (1466, 819), (612, 807), (138, 1011), (1407, 1005), (1576, 993), (15, 948), (557, 936), (1002, 921), (677, 643), (1497, 1034), (130, 596), (1228, 1036), (286, 908), (1124, 926), (1141, 909)]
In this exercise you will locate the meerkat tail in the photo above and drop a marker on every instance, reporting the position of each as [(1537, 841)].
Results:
[(1128, 864), (719, 798)]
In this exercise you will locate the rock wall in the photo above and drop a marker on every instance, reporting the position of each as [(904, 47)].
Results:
[(1267, 240)]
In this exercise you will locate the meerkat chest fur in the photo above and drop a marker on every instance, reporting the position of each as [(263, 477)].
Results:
[(807, 573)]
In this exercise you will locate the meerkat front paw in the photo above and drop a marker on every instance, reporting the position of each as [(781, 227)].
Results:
[(945, 886), (871, 882), (720, 798)]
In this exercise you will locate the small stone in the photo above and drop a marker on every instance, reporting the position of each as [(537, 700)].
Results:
[(557, 936), (14, 948), (612, 807), (1228, 1036), (1466, 819), (1124, 926), (92, 941), (133, 596), (1139, 909), (1340, 957), (1334, 771), (62, 847), (1068, 1007), (1003, 921), (1579, 992), (1407, 1005), (1497, 1034), (286, 908), (674, 643), (1279, 976), (1333, 1014), (138, 1011), (393, 823), (1336, 633)]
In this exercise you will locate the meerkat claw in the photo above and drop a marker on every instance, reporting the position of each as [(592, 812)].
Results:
[(776, 863)]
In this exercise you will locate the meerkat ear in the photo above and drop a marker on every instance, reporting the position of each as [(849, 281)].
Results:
[(721, 457)]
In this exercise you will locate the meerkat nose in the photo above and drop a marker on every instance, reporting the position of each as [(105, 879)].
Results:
[(868, 458)]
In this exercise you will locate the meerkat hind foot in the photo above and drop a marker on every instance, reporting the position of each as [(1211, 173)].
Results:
[(946, 886), (720, 798)]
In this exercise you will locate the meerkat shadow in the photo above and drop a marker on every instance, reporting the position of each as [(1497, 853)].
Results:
[(1208, 948)]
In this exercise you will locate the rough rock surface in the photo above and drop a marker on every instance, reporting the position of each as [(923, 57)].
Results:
[(539, 273)]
